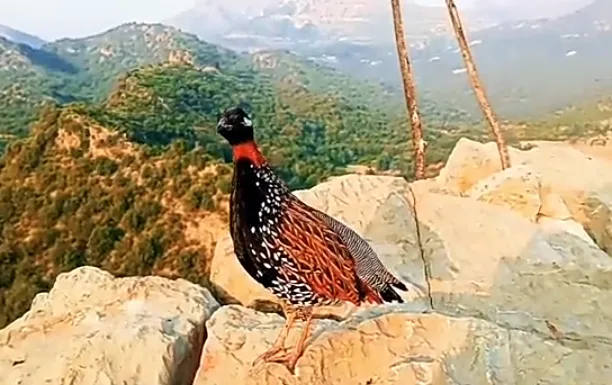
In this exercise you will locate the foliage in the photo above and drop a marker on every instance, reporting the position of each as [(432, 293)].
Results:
[(291, 69), (64, 204), (307, 136), (588, 120), (77, 70)]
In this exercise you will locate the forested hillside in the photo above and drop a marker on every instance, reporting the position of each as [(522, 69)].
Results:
[(79, 70), (76, 193), (307, 135)]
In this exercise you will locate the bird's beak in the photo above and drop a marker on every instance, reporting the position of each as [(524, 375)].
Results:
[(221, 125)]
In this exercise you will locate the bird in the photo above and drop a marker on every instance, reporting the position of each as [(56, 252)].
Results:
[(302, 255)]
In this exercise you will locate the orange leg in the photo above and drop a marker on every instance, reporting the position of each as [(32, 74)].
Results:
[(278, 353), (279, 343), (306, 314)]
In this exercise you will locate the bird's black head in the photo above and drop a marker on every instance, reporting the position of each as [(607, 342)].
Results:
[(235, 126)]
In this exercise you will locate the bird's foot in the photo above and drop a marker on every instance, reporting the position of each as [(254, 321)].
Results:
[(279, 356), (273, 355)]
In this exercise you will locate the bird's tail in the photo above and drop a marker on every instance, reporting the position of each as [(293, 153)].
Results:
[(392, 280), (390, 295), (387, 293)]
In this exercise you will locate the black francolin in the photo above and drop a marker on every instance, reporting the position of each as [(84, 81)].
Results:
[(304, 256)]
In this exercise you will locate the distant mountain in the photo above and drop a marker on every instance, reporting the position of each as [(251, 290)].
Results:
[(530, 67), (595, 18), (85, 70), (304, 24), (291, 24), (72, 70), (513, 10), (28, 78), (522, 61), (288, 68), (100, 58), (20, 37), (212, 19)]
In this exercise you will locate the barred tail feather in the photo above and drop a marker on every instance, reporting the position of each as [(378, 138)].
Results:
[(390, 295), (399, 284)]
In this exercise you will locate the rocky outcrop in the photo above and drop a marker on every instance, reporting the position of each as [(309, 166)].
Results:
[(92, 328), (399, 346), (579, 183), (508, 284)]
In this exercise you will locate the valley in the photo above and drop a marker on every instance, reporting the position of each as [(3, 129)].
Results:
[(530, 64)]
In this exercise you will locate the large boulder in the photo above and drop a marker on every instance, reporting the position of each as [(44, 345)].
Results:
[(517, 188), (488, 262), (92, 328), (579, 181), (396, 345), (507, 297)]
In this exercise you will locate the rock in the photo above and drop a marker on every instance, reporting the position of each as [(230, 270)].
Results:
[(517, 188), (488, 262), (556, 226), (553, 206), (376, 207), (231, 283), (583, 182), (395, 345), (468, 163), (92, 328), (514, 301)]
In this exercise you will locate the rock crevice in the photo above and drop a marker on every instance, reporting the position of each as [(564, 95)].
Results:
[(426, 265)]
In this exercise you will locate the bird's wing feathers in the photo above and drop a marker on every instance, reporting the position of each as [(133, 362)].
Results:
[(322, 258), (368, 266)]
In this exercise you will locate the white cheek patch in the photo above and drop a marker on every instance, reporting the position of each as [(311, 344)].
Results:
[(247, 122)]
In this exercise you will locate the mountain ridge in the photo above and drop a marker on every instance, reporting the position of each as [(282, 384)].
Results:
[(84, 70), (521, 62), (20, 37), (280, 24)]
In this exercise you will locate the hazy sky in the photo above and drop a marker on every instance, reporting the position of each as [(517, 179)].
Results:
[(53, 19)]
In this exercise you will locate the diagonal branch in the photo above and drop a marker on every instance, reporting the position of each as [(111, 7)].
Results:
[(477, 85)]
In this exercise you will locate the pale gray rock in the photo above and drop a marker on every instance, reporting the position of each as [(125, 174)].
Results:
[(92, 328)]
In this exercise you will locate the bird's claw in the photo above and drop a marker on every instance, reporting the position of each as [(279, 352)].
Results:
[(277, 355), (272, 355)]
